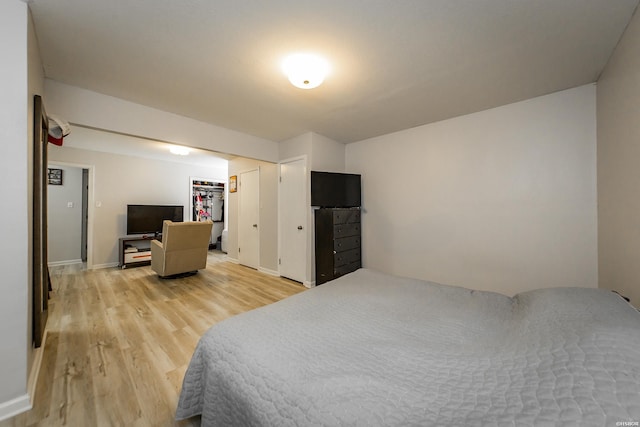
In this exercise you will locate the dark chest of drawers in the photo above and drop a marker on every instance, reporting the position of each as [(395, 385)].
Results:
[(338, 238)]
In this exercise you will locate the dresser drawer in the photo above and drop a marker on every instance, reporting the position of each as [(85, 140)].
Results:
[(338, 242), (346, 257), (347, 268), (137, 257), (344, 216), (346, 230), (346, 243)]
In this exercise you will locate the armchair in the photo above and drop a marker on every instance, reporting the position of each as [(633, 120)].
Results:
[(183, 248)]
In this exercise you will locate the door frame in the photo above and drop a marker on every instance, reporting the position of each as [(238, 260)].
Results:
[(309, 240), (225, 210), (39, 262), (225, 214), (90, 204)]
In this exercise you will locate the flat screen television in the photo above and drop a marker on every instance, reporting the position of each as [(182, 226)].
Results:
[(147, 219), (335, 190)]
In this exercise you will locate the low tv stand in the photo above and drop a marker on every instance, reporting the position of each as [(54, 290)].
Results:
[(135, 251)]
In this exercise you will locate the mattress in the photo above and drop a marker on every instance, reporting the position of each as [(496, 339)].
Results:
[(373, 349)]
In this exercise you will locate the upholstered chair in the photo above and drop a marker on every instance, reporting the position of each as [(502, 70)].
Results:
[(183, 248)]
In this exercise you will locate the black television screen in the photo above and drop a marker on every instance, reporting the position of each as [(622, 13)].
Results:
[(147, 219), (335, 190)]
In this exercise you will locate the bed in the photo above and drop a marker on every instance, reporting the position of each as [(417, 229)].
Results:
[(373, 349)]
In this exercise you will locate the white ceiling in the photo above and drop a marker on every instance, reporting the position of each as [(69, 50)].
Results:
[(396, 63)]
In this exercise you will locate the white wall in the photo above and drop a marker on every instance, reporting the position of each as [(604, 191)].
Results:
[(268, 218), (36, 86), (323, 154), (120, 180), (91, 109), (296, 146), (15, 220), (65, 222), (501, 200), (618, 167), (326, 154)]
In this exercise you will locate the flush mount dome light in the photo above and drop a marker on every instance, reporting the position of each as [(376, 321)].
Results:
[(178, 150), (305, 70)]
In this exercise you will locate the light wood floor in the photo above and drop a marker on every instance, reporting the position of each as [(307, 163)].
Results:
[(119, 341)]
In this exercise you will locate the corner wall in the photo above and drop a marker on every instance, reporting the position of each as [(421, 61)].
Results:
[(36, 87), (16, 131), (321, 154), (501, 200), (326, 154), (618, 167)]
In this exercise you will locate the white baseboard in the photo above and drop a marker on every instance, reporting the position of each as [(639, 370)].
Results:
[(66, 262), (233, 260), (24, 403), (13, 407), (107, 265), (269, 272), (32, 382)]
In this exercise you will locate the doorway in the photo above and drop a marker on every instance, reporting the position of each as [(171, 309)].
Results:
[(69, 215), (207, 202), (85, 215)]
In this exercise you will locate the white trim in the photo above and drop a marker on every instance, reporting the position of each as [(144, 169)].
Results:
[(233, 260), (13, 407), (66, 262), (268, 271), (24, 403), (107, 265), (32, 383), (294, 159)]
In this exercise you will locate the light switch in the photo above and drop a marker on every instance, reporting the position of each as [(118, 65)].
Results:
[(69, 204)]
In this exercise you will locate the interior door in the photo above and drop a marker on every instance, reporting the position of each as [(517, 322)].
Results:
[(249, 219), (293, 220)]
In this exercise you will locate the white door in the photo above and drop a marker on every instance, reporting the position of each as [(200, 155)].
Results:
[(248, 221), (293, 220)]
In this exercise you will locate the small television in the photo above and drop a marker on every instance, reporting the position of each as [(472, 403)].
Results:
[(335, 190), (147, 219)]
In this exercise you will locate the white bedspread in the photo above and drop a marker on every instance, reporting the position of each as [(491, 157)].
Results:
[(372, 349)]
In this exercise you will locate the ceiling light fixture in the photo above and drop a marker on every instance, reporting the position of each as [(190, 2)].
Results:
[(305, 70), (180, 151)]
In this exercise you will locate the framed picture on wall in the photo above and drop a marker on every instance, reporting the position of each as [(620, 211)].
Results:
[(55, 176), (233, 184)]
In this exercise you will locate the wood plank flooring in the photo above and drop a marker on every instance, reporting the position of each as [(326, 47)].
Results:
[(119, 341)]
